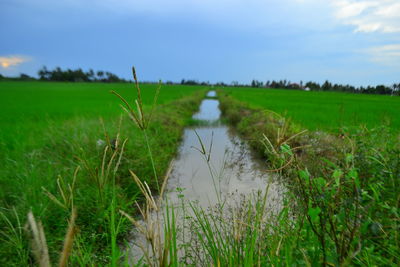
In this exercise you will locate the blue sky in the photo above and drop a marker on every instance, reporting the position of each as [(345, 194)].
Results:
[(344, 41)]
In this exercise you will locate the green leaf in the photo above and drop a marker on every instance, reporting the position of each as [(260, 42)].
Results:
[(304, 175), (349, 158), (353, 174), (285, 148), (314, 212), (337, 174), (319, 183)]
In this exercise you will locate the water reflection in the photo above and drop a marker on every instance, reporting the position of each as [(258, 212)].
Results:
[(212, 94), (231, 169), (209, 111)]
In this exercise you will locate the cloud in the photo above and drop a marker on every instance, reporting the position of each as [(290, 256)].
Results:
[(369, 15), (10, 61), (385, 54)]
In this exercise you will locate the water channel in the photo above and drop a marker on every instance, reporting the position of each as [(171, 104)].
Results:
[(227, 172)]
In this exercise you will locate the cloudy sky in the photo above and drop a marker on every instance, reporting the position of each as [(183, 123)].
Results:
[(345, 41)]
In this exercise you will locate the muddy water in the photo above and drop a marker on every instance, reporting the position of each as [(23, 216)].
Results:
[(226, 172), (211, 94), (230, 170), (209, 111)]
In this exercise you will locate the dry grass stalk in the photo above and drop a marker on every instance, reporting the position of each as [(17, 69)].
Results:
[(144, 188), (66, 191), (39, 244), (69, 240), (38, 241), (151, 227), (138, 116)]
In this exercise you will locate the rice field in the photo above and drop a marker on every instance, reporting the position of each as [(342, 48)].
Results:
[(49, 129), (74, 165), (29, 108), (326, 111)]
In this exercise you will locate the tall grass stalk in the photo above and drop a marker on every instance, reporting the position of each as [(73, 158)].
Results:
[(39, 245), (140, 119), (207, 157)]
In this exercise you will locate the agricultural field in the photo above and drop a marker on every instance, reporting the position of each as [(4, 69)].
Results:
[(328, 111), (72, 158), (29, 109), (344, 171), (273, 141), (49, 129)]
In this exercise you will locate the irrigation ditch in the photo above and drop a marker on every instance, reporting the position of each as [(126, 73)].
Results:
[(215, 171)]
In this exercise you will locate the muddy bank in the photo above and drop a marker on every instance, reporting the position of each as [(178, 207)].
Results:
[(269, 134)]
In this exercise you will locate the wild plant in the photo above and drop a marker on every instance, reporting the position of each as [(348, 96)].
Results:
[(206, 153), (157, 226), (330, 204), (66, 191), (13, 235), (105, 174), (139, 118), (157, 235), (278, 145)]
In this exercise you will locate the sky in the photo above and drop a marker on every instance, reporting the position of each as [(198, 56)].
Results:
[(343, 41)]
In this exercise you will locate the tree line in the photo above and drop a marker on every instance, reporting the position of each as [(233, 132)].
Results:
[(394, 89), (309, 86), (78, 75), (69, 75)]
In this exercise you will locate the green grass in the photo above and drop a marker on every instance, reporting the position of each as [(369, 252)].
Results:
[(48, 129), (345, 189), (28, 108), (324, 110)]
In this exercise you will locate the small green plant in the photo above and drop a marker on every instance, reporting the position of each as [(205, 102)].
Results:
[(14, 237), (66, 191)]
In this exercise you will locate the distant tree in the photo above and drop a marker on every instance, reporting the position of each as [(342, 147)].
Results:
[(383, 90), (189, 82), (57, 75), (76, 75), (256, 83), (313, 86), (293, 86), (44, 74), (90, 75), (327, 86), (100, 75), (25, 77), (222, 84)]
